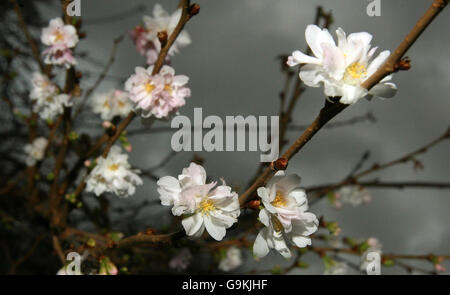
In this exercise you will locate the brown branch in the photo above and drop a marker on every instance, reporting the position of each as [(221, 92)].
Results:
[(25, 30), (102, 75), (330, 110), (185, 17)]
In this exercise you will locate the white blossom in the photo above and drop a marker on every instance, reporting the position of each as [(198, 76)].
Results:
[(284, 216), (110, 104), (113, 174), (353, 195), (157, 95), (203, 205), (232, 260), (60, 38), (35, 151), (343, 68), (48, 102), (146, 37)]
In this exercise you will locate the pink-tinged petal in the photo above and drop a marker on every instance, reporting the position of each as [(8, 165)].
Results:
[(333, 61), (180, 80), (384, 90), (167, 70), (260, 247), (299, 57), (315, 37)]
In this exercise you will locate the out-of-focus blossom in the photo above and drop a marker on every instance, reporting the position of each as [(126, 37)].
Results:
[(284, 216), (157, 95), (146, 36), (353, 195), (48, 102), (113, 174), (35, 151), (111, 104), (203, 205), (107, 267), (232, 260), (181, 260), (60, 38), (343, 68)]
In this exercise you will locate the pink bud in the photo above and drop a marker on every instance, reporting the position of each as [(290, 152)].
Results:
[(106, 124), (128, 148), (87, 163)]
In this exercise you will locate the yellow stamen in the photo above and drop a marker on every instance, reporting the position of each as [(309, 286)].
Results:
[(121, 104), (168, 88), (59, 36), (355, 72), (113, 167), (206, 206), (106, 105), (149, 87), (280, 200)]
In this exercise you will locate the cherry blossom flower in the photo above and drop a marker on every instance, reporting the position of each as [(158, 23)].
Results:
[(284, 215), (60, 38), (35, 151), (146, 37), (180, 262), (113, 174), (232, 260), (343, 68), (203, 205), (48, 102), (159, 95), (111, 104), (353, 195)]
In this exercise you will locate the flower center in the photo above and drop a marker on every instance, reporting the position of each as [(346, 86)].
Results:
[(106, 105), (354, 73), (206, 206), (113, 167), (280, 200), (121, 104), (168, 88), (59, 36), (149, 87)]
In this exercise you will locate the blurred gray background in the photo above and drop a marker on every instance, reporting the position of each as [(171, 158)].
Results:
[(233, 70)]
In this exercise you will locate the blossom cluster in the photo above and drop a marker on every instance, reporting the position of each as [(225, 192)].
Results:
[(48, 102), (60, 38), (36, 150), (203, 205), (111, 104), (158, 95), (146, 36), (113, 174), (284, 216)]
